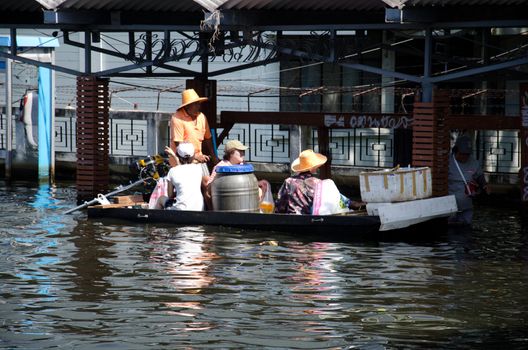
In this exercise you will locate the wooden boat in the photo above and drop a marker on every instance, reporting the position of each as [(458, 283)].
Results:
[(317, 224), (357, 222)]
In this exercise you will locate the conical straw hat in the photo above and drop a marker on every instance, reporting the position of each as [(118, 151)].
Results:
[(308, 159), (190, 96)]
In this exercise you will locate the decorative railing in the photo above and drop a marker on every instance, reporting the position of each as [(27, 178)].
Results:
[(268, 143), (499, 151), (65, 140)]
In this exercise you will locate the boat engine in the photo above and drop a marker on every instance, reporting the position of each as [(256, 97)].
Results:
[(151, 169)]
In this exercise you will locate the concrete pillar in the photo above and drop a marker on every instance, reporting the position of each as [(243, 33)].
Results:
[(45, 123)]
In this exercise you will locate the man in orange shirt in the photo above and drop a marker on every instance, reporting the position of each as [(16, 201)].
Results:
[(189, 124)]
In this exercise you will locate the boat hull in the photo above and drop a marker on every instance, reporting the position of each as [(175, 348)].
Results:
[(307, 224)]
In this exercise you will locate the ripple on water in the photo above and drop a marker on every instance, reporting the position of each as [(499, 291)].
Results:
[(71, 282)]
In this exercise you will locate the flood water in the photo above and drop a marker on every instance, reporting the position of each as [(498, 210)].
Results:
[(72, 283)]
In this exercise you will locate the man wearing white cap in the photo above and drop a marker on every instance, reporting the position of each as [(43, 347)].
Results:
[(190, 124)]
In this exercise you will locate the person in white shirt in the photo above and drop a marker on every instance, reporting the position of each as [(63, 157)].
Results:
[(185, 180)]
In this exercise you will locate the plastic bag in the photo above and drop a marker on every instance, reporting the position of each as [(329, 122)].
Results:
[(159, 191), (267, 205), (328, 200)]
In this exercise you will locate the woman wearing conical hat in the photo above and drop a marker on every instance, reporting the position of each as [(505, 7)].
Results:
[(296, 195), (190, 124), (297, 192)]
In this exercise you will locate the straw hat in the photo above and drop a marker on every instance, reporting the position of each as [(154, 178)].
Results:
[(190, 96), (308, 160), (234, 144)]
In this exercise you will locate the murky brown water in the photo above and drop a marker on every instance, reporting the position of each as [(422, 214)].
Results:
[(73, 283)]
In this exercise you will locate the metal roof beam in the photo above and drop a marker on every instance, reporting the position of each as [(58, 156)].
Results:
[(12, 20), (145, 75), (237, 19), (244, 66), (383, 72), (144, 64), (145, 20), (82, 17), (480, 70), (459, 14), (40, 64)]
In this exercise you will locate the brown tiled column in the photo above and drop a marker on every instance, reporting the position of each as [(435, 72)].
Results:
[(92, 137), (431, 140)]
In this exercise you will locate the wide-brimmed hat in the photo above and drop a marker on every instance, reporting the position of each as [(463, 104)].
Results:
[(463, 145), (190, 96), (234, 144), (308, 159), (185, 149)]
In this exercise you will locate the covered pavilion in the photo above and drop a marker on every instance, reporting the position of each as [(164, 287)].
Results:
[(425, 45)]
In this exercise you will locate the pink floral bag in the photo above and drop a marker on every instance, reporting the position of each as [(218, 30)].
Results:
[(159, 191)]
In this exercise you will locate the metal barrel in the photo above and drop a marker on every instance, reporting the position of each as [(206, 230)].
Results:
[(235, 188)]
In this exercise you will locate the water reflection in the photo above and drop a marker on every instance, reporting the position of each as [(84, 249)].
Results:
[(68, 281), (39, 242), (186, 258), (90, 271), (315, 277)]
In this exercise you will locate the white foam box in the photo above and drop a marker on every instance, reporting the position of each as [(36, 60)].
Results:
[(395, 185)]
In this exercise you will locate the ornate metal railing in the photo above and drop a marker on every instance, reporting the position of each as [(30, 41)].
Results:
[(349, 147), (499, 151), (65, 140), (268, 143), (371, 147), (128, 137), (3, 132)]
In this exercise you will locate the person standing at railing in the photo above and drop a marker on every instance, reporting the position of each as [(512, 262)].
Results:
[(190, 124)]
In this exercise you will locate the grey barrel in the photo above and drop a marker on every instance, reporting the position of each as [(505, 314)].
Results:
[(235, 188)]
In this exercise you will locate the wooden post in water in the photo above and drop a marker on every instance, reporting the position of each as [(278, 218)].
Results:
[(92, 137), (431, 140)]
